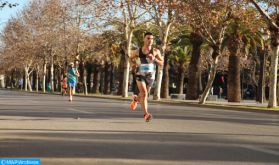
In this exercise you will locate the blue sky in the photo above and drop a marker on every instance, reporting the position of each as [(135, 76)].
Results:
[(7, 12)]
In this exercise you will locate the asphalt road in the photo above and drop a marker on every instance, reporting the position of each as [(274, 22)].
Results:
[(101, 131)]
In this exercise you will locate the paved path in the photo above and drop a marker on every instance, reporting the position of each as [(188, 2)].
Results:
[(101, 131)]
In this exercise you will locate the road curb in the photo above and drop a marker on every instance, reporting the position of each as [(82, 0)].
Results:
[(245, 108), (181, 103)]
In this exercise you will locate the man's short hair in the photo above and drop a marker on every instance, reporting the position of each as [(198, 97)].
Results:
[(148, 34)]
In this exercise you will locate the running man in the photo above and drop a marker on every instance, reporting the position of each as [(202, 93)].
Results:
[(72, 79), (145, 59)]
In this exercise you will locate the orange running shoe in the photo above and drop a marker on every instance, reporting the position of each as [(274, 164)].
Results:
[(147, 117), (134, 103)]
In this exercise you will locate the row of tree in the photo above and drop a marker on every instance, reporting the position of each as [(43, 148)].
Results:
[(194, 36)]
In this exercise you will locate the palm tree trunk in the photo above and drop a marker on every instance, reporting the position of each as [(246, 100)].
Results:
[(234, 90), (194, 69)]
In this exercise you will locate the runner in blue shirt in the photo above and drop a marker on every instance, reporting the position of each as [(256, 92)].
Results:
[(72, 79)]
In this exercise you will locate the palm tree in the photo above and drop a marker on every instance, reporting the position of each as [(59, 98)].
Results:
[(239, 39), (234, 45), (181, 57)]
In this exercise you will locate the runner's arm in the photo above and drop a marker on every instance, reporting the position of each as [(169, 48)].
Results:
[(77, 73), (133, 56), (159, 60)]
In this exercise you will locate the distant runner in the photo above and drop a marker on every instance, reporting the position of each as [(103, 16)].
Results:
[(64, 85), (72, 79)]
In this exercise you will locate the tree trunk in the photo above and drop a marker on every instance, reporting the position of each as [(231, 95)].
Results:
[(200, 82), (194, 69), (88, 77), (211, 76), (166, 77), (2, 81), (85, 80), (234, 90), (107, 78), (52, 74), (12, 80), (182, 71), (272, 102), (59, 79), (274, 29), (37, 81), (101, 79), (261, 83), (26, 78), (126, 78), (159, 77), (164, 38), (121, 73), (33, 79), (29, 84), (44, 77), (127, 65), (112, 83), (96, 80)]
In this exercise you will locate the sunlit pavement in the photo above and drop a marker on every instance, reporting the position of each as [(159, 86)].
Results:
[(102, 131)]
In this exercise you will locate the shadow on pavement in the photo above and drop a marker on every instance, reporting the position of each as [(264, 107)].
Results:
[(134, 145)]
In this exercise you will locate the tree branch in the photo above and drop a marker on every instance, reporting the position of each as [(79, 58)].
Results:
[(211, 39), (265, 15), (130, 12)]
